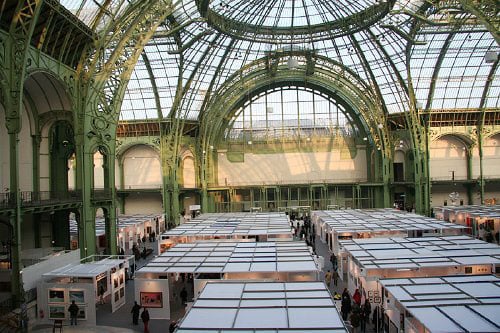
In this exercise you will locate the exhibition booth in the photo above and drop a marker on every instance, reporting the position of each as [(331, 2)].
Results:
[(334, 226), (481, 221), (82, 282), (247, 226), (202, 262), (379, 258), (130, 229), (263, 307), (442, 304)]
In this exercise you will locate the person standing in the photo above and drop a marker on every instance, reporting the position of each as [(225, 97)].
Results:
[(345, 307), (135, 313), (101, 294), (366, 310), (328, 278), (73, 313), (145, 319), (357, 297), (184, 295)]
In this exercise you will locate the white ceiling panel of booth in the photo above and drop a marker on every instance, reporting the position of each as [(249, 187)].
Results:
[(263, 307), (216, 257), (380, 220), (400, 253), (450, 304)]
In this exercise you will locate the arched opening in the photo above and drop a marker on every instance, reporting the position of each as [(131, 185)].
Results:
[(449, 170)]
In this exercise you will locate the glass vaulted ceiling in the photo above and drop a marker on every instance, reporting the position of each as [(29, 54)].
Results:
[(446, 54)]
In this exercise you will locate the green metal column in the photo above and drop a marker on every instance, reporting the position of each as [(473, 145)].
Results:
[(16, 220), (481, 174), (86, 228), (469, 185), (111, 234)]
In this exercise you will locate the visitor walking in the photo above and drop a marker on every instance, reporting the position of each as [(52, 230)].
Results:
[(366, 310), (135, 313), (328, 278), (145, 319), (73, 313), (345, 307)]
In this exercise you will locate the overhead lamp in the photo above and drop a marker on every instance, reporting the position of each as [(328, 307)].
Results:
[(293, 63), (365, 139), (249, 142), (490, 57), (380, 126)]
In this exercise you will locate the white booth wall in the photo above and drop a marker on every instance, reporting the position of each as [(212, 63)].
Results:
[(153, 287), (45, 304)]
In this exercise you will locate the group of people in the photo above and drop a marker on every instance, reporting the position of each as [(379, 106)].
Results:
[(352, 309)]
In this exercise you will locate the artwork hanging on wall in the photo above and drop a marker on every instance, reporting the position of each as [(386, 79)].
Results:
[(151, 299), (82, 314), (57, 312), (56, 296), (77, 295)]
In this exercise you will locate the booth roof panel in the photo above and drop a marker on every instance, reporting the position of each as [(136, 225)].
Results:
[(83, 270), (265, 307), (421, 289), (453, 296), (435, 321), (320, 317), (267, 318), (468, 319), (256, 257), (429, 252), (209, 318), (480, 289), (488, 311)]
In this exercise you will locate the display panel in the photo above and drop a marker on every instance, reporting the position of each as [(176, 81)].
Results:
[(77, 295), (151, 299), (56, 296), (57, 312)]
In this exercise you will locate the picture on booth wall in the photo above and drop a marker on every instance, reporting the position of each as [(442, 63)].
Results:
[(56, 296), (57, 312), (77, 295), (122, 279), (117, 296), (82, 314), (122, 292), (152, 299), (115, 282)]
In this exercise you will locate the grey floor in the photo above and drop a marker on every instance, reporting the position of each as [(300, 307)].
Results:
[(121, 320)]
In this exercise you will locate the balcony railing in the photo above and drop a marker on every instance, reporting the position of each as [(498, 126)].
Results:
[(30, 198)]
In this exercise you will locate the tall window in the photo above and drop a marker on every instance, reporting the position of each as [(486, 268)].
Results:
[(289, 112)]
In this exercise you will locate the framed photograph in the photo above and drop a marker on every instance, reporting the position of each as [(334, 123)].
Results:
[(122, 292), (56, 296), (115, 282), (82, 314), (57, 312), (117, 296), (151, 299), (370, 293), (77, 295), (122, 279), (377, 300)]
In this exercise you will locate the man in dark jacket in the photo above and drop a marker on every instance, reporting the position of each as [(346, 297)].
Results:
[(135, 313), (145, 319), (73, 313)]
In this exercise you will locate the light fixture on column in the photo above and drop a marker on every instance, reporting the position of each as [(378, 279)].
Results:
[(293, 63), (490, 57)]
